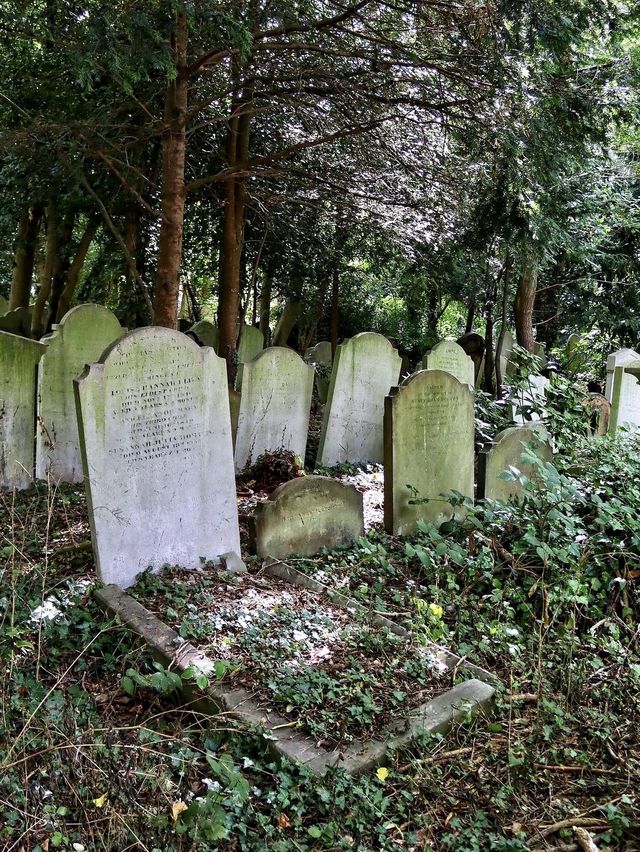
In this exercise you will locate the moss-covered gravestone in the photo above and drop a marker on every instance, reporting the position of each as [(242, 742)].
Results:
[(428, 449), (451, 358), (274, 405), (364, 370), (306, 514), (205, 333), (505, 454), (157, 454), (79, 339), (18, 360)]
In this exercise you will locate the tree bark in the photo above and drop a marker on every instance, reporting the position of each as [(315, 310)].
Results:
[(286, 322), (75, 268), (165, 309), (25, 257), (503, 325), (60, 269), (265, 305), (525, 299), (37, 318)]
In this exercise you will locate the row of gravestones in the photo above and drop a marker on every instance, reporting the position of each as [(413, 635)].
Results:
[(159, 469)]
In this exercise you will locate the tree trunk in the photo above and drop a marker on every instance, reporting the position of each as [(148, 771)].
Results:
[(265, 305), (165, 309), (548, 304), (60, 270), (37, 318), (73, 273), (471, 315), (286, 322), (525, 299), (25, 256), (503, 325), (233, 225)]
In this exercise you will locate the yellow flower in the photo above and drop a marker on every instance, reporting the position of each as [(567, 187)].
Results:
[(436, 610), (382, 773)]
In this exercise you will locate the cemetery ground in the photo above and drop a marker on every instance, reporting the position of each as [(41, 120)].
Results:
[(100, 751)]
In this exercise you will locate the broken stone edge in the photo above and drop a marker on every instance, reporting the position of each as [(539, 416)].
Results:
[(434, 717)]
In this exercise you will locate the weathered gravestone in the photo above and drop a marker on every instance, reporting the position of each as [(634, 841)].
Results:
[(505, 454), (205, 333), (250, 345), (428, 449), (320, 356), (17, 321), (18, 360), (274, 405), (528, 401), (451, 358), (625, 397), (364, 370), (157, 455), (618, 359), (306, 514), (79, 339), (4, 305)]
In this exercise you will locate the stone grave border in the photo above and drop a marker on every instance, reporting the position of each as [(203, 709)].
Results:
[(435, 716)]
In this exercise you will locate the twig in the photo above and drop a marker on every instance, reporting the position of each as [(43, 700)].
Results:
[(561, 768), (585, 841)]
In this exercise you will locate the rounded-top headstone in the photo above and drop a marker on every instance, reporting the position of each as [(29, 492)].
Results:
[(451, 358), (205, 333), (505, 453)]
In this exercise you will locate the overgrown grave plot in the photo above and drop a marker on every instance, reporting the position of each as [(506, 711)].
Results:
[(326, 682)]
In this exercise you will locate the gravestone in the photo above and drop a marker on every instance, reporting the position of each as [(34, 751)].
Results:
[(625, 397), (250, 344), (18, 359), (17, 321), (205, 333), (157, 455), (506, 452), (4, 305), (79, 339), (617, 359), (428, 449), (529, 398), (306, 514), (364, 370), (274, 405), (451, 358), (320, 356)]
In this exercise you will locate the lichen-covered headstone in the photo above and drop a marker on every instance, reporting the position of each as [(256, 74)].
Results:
[(618, 359), (79, 339), (157, 455), (451, 358), (205, 333), (625, 397), (274, 405), (428, 449), (18, 360), (505, 454), (364, 370), (17, 321), (321, 358), (529, 401), (306, 514)]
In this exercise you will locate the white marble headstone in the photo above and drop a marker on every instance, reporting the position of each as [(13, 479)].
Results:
[(157, 454)]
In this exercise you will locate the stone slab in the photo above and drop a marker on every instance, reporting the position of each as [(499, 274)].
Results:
[(364, 370), (18, 361), (625, 397), (306, 514), (617, 359), (451, 358), (506, 452), (428, 442), (157, 454), (435, 716), (274, 405), (79, 339)]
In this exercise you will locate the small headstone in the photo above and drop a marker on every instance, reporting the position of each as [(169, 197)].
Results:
[(205, 333), (625, 397), (79, 339), (505, 453), (529, 400), (321, 358), (17, 321), (428, 449), (576, 352), (18, 359), (451, 358), (306, 514), (250, 344), (617, 359), (274, 405), (364, 370), (157, 455), (4, 305)]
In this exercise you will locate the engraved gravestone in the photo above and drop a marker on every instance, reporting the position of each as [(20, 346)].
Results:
[(428, 449), (274, 405), (451, 358), (364, 370), (306, 514), (505, 454), (18, 360), (205, 333), (157, 455), (625, 397), (79, 339)]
